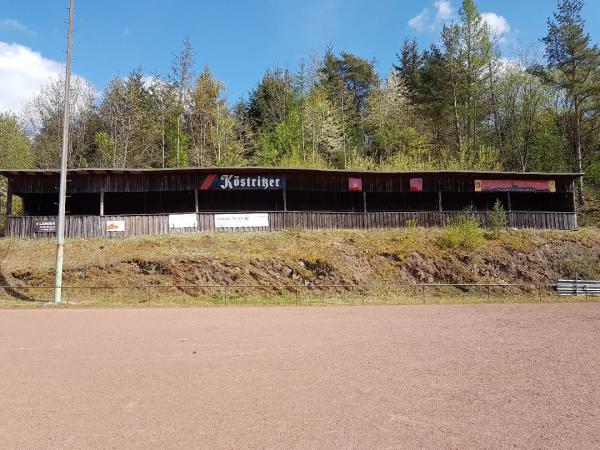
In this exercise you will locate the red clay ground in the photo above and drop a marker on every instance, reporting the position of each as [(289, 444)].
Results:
[(486, 376)]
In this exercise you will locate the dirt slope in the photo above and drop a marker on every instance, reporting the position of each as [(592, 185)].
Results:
[(307, 258)]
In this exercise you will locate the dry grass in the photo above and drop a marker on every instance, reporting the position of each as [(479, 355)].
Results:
[(220, 297), (376, 257)]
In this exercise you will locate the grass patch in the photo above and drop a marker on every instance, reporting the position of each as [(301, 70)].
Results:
[(465, 233)]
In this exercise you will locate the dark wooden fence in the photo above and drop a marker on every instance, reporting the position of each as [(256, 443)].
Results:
[(138, 225)]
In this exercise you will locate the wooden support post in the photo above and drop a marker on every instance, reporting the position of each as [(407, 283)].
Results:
[(364, 202), (196, 200), (573, 196), (101, 202), (284, 199), (509, 203), (440, 201), (9, 200)]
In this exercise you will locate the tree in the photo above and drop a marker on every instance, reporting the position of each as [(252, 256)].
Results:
[(391, 120), (43, 118), (165, 98), (574, 66), (212, 129), (182, 75), (325, 130), (348, 80), (408, 69), (242, 129), (475, 53), (15, 152), (271, 100), (15, 148), (524, 118), (132, 125)]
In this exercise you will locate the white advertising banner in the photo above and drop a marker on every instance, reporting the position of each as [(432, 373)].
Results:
[(182, 221), (241, 220), (115, 225)]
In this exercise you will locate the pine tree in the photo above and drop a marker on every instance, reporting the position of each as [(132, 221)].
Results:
[(574, 65), (182, 75)]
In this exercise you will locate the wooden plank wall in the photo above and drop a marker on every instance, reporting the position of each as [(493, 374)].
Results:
[(139, 225)]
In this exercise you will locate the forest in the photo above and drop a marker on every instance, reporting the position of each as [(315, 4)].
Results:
[(459, 104)]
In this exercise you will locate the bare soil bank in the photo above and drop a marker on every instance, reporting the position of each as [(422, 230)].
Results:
[(312, 259)]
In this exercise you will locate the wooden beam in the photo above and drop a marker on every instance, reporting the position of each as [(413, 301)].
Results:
[(439, 197), (574, 199), (9, 200), (509, 202), (196, 200), (284, 198), (101, 202), (364, 201)]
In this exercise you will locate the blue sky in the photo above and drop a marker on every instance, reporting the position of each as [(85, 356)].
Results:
[(237, 39)]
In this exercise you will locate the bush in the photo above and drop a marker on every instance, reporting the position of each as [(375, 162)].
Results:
[(497, 216), (412, 223), (464, 232)]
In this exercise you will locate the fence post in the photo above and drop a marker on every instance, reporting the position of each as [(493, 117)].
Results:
[(488, 293), (423, 291), (539, 293)]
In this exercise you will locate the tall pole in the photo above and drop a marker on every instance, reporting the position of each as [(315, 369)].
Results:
[(62, 193)]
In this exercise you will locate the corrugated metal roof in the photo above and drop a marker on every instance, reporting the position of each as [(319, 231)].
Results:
[(282, 170)]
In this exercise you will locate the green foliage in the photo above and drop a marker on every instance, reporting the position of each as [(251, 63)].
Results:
[(464, 232), (412, 223), (592, 173), (15, 148), (105, 148), (271, 100), (497, 216)]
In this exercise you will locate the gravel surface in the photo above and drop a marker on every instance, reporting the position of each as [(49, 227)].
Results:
[(436, 376)]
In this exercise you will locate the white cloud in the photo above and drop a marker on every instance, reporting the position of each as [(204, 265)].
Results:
[(420, 22), (22, 73), (151, 80), (498, 25), (424, 21), (14, 25), (444, 10)]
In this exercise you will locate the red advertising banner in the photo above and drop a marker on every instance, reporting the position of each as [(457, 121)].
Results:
[(355, 184), (515, 185), (416, 185)]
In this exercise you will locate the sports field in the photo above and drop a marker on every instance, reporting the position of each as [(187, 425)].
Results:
[(433, 376)]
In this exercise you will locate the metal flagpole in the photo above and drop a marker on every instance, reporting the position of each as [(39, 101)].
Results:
[(62, 193)]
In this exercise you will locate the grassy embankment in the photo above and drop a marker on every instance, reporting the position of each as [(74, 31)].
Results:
[(308, 262)]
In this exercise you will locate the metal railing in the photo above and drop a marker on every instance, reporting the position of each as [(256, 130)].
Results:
[(389, 293), (578, 287)]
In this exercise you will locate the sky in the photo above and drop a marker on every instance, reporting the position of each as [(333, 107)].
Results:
[(237, 39)]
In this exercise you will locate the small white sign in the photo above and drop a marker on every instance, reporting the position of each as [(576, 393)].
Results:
[(241, 220), (182, 221), (115, 225)]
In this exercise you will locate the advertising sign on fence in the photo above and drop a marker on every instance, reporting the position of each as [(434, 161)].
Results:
[(214, 182), (182, 221), (241, 220), (45, 226), (115, 225)]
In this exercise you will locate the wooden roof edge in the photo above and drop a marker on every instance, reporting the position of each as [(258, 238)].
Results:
[(132, 171)]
